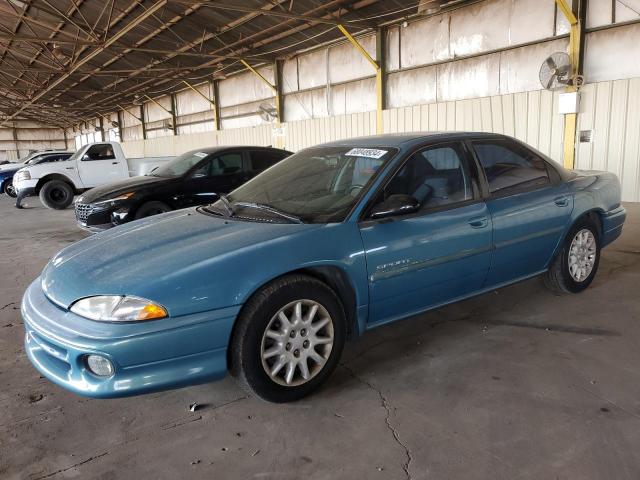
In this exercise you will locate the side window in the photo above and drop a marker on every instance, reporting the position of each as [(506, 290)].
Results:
[(510, 166), (100, 152), (226, 164), (435, 177), (261, 160)]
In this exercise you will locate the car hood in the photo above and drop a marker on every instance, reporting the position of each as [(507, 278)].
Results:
[(159, 257), (111, 190), (10, 168)]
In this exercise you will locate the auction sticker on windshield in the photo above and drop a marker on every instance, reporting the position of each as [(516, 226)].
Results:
[(366, 152)]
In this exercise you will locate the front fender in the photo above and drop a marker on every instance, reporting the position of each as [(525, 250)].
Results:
[(230, 279)]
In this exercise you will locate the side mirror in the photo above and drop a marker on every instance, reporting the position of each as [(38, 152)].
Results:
[(398, 204), (86, 157)]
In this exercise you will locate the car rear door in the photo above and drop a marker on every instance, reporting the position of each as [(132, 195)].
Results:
[(260, 160), (99, 166), (529, 205), (438, 254), (216, 174)]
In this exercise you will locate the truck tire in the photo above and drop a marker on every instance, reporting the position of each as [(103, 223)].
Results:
[(56, 194), (9, 189), (152, 208)]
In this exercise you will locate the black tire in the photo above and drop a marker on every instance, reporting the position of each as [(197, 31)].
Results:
[(56, 194), (152, 208), (9, 189), (559, 279), (245, 360)]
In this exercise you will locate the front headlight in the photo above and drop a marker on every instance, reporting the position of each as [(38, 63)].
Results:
[(112, 201), (22, 175), (118, 308)]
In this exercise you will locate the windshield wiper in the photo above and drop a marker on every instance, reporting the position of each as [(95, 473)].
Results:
[(270, 209), (227, 205)]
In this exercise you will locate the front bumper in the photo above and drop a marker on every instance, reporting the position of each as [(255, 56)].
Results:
[(93, 219), (147, 356), (26, 186)]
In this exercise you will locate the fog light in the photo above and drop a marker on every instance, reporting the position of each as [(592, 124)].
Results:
[(99, 366)]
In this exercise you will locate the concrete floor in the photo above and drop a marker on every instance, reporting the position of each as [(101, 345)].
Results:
[(517, 383)]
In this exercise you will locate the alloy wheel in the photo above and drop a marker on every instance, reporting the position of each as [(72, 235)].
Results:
[(582, 255), (297, 343)]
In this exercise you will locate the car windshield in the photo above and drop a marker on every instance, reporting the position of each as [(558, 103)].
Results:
[(316, 185), (179, 165)]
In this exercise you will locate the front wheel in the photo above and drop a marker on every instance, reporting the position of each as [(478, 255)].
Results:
[(576, 264), (288, 339), (9, 189), (152, 208), (56, 194)]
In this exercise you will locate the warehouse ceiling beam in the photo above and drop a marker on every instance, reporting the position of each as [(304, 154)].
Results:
[(379, 75), (114, 38), (274, 13), (576, 53), (240, 49)]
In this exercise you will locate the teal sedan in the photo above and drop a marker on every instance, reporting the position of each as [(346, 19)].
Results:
[(269, 282)]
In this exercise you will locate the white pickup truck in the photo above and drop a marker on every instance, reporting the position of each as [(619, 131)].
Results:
[(92, 165)]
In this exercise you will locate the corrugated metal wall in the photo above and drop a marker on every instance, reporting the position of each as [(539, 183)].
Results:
[(611, 111), (529, 116)]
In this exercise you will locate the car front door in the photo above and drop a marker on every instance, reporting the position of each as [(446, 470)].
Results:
[(437, 254), (99, 166), (529, 208)]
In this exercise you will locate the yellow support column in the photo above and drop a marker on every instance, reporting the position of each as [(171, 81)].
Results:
[(571, 119), (276, 91), (379, 76)]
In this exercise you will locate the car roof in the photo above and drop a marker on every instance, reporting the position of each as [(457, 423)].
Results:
[(220, 148), (403, 139)]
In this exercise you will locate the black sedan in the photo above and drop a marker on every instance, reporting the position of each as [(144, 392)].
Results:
[(194, 178)]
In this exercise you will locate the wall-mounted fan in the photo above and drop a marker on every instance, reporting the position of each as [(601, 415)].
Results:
[(556, 72), (115, 124), (267, 112)]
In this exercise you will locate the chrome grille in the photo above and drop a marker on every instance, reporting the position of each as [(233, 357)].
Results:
[(83, 211)]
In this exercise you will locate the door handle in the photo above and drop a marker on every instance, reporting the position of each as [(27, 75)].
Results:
[(70, 168), (561, 201), (479, 222), (114, 163)]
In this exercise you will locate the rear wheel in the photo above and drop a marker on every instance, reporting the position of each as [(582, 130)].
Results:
[(576, 264), (152, 208), (56, 194), (9, 189), (288, 339)]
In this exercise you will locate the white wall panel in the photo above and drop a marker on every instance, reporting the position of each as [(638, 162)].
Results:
[(480, 27), (290, 76), (599, 12), (245, 87), (153, 112), (346, 63), (612, 54), (312, 69), (188, 101), (627, 10), (393, 49), (612, 111), (530, 20), (413, 87), (425, 41), (474, 77)]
